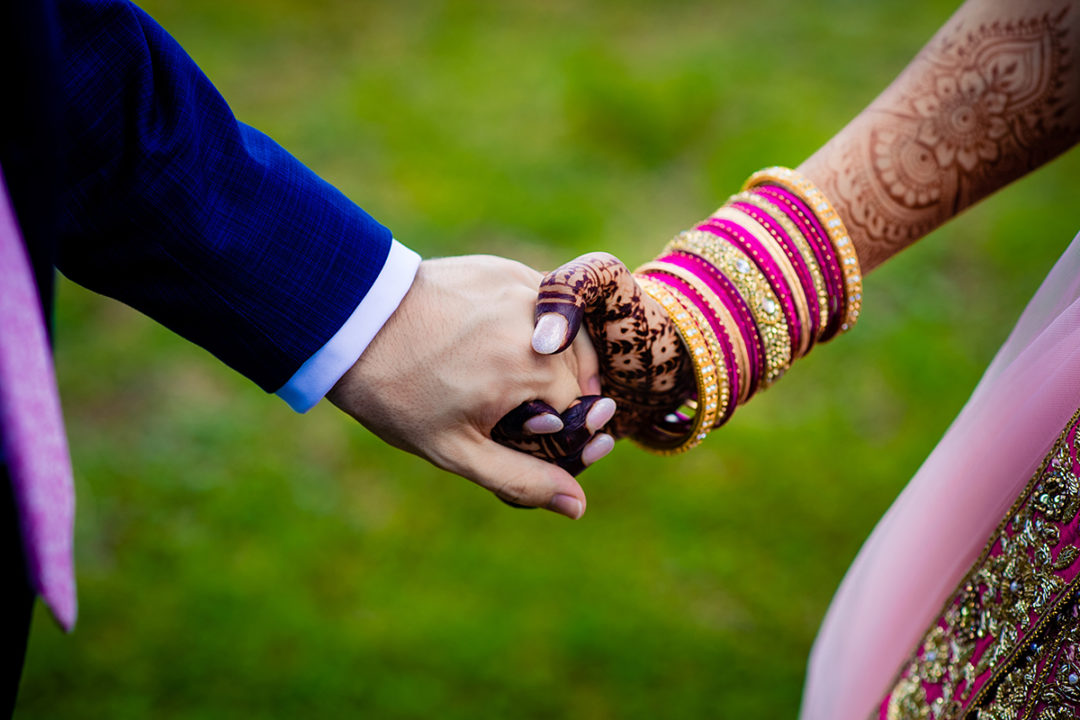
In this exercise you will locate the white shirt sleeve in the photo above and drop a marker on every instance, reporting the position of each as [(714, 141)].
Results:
[(316, 376)]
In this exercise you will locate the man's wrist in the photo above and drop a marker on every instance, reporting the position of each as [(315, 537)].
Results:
[(310, 383)]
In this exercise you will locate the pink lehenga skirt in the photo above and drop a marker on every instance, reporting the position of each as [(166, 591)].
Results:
[(963, 601)]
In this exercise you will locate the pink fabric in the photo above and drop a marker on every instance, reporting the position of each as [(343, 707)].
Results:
[(35, 446), (935, 530), (1014, 541)]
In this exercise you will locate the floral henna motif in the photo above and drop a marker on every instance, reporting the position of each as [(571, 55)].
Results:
[(977, 108), (642, 362)]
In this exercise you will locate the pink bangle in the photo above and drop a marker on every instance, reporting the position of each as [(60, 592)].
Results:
[(736, 307), (828, 218), (746, 242), (730, 260), (719, 331), (797, 261), (805, 220)]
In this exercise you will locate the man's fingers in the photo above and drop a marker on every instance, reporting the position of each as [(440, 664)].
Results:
[(588, 364), (566, 294), (523, 480)]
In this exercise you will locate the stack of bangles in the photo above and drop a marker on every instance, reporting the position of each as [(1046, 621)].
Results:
[(749, 290)]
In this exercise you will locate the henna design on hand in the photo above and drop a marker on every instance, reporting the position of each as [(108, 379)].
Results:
[(976, 109), (564, 447), (988, 100), (643, 364)]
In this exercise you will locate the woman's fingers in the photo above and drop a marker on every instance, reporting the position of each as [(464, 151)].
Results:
[(598, 447), (543, 424), (595, 282), (588, 364), (552, 329), (572, 446), (534, 417), (643, 364), (599, 414)]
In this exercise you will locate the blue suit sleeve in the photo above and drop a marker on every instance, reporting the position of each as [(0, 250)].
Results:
[(201, 222)]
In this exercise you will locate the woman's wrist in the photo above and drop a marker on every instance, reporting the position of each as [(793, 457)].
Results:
[(751, 289)]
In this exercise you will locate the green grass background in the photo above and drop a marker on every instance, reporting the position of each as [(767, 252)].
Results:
[(237, 559)]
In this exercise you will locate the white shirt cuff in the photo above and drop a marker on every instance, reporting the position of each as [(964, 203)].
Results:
[(316, 376)]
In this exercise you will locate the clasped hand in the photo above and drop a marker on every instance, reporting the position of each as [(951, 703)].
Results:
[(453, 367), (482, 371)]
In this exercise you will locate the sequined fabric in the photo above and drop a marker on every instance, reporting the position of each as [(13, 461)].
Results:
[(1007, 643)]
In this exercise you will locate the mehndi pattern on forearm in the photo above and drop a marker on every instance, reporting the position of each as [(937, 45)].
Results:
[(978, 108)]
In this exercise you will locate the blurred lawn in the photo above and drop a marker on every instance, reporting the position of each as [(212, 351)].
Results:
[(236, 559)]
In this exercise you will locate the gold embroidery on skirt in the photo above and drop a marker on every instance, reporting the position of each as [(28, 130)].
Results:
[(1006, 645)]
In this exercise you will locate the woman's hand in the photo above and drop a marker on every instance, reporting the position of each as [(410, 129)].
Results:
[(643, 363), (571, 439)]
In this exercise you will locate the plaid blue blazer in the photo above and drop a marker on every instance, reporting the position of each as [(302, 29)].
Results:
[(130, 174)]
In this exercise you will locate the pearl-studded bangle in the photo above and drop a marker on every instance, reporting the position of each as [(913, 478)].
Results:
[(797, 246), (834, 225), (754, 287), (788, 282), (710, 373), (749, 289), (725, 340)]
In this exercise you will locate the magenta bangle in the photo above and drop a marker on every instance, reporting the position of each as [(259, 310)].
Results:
[(752, 246), (736, 306), (718, 330), (807, 222), (797, 262), (793, 206)]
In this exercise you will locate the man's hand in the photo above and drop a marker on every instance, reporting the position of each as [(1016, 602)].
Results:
[(452, 360)]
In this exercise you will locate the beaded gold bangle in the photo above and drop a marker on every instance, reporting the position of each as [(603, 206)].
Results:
[(756, 292), (787, 270), (802, 245), (709, 372), (720, 312), (834, 225), (716, 399)]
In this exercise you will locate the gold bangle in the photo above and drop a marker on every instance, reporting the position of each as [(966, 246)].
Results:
[(710, 376), (833, 224), (776, 251), (801, 244), (722, 314), (754, 287)]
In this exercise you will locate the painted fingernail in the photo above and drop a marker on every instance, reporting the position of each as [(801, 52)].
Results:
[(549, 334), (544, 424), (567, 505), (597, 448), (599, 414)]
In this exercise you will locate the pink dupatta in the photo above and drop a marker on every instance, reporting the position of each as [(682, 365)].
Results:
[(936, 528)]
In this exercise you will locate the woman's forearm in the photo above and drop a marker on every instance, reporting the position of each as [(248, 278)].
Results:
[(994, 95)]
